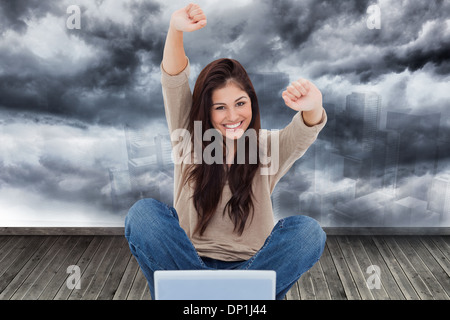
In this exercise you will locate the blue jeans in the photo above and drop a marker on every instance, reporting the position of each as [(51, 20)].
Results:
[(158, 242)]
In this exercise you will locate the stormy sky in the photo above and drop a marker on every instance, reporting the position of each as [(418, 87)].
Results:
[(65, 94)]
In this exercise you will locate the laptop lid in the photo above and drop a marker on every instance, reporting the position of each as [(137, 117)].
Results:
[(215, 285)]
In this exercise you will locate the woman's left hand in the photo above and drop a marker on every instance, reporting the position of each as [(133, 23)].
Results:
[(302, 95)]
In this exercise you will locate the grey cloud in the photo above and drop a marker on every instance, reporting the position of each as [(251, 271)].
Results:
[(398, 46), (294, 183), (14, 12), (46, 177), (105, 90), (274, 30), (295, 21)]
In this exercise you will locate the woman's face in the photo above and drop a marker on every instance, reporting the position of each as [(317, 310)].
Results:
[(231, 112)]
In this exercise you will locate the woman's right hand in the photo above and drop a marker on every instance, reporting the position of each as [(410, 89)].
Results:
[(188, 19)]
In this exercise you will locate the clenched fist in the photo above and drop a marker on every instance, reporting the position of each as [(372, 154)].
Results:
[(302, 95), (188, 19)]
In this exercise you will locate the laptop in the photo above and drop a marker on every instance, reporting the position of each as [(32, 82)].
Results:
[(215, 284)]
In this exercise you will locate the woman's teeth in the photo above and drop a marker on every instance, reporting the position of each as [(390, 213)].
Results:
[(233, 125)]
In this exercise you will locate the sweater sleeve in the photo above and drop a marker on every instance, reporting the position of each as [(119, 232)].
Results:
[(177, 98), (292, 141)]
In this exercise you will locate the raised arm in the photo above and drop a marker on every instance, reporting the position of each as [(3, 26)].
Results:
[(302, 95), (293, 140), (187, 19)]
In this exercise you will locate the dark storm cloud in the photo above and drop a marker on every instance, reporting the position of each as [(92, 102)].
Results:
[(412, 35), (13, 13), (122, 44), (435, 52), (105, 90), (295, 21), (47, 178), (260, 25), (11, 117), (295, 183)]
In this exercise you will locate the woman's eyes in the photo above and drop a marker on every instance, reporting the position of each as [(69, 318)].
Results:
[(239, 104)]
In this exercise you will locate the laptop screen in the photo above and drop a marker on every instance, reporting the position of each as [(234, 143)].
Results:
[(215, 285)]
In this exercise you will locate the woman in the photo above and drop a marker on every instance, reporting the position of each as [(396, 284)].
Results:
[(222, 216)]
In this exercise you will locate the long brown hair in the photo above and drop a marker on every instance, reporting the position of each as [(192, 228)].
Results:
[(210, 179)]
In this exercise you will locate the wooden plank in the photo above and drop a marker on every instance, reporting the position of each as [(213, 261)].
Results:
[(127, 279), (9, 254), (116, 273), (103, 270), (64, 292), (13, 278), (355, 269), (25, 271), (438, 265), (415, 279), (138, 287), (90, 270), (440, 257), (146, 294), (293, 293), (443, 246), (387, 279), (424, 263), (61, 276), (32, 286), (5, 241), (343, 270), (364, 263), (334, 283), (89, 274), (12, 259), (319, 282), (446, 239), (52, 268), (396, 270), (305, 287)]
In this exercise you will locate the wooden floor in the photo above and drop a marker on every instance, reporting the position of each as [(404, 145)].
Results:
[(410, 267)]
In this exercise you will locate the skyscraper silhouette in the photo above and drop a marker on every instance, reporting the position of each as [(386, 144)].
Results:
[(417, 147), (364, 109)]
